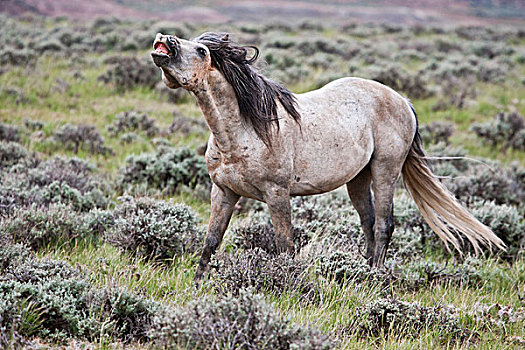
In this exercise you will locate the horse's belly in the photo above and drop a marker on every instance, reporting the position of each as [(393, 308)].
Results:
[(326, 175)]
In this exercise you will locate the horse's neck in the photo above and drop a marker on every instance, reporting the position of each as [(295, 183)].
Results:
[(219, 105)]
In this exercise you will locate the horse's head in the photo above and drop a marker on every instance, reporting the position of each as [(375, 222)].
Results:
[(183, 63)]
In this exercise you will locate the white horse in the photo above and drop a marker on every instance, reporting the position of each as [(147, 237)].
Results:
[(269, 144)]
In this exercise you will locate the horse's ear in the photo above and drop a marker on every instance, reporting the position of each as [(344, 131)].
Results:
[(255, 54), (225, 37)]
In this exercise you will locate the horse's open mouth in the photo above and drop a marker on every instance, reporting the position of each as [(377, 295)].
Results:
[(161, 54), (161, 48)]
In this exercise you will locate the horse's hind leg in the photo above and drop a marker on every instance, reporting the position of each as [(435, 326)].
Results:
[(384, 177), (361, 196)]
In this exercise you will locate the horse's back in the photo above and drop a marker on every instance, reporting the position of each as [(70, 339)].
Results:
[(354, 104)]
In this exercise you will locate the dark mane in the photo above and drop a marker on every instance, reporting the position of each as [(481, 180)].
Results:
[(256, 95)]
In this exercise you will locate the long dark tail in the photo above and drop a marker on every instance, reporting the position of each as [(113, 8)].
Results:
[(440, 209)]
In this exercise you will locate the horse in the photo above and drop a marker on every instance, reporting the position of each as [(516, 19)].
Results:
[(268, 144)]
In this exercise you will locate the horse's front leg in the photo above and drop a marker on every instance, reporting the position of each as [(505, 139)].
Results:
[(222, 204), (278, 200)]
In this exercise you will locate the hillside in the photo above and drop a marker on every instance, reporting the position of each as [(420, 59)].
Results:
[(401, 12)]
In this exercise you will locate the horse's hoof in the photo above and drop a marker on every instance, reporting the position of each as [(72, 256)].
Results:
[(289, 250), (197, 279)]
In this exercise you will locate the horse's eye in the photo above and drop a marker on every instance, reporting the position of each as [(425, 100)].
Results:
[(201, 51)]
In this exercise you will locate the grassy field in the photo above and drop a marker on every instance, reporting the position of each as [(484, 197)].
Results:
[(83, 267)]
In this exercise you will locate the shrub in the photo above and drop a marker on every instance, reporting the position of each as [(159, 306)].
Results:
[(127, 316), (9, 133), (469, 68), (291, 74), (27, 181), (317, 44), (129, 137), (261, 235), (12, 153), (68, 181), (173, 95), (490, 182), (412, 233), (518, 141), (14, 93), (17, 57), (37, 227), (47, 44), (317, 213), (12, 254), (436, 132), (409, 241), (183, 30), (133, 121), (154, 229), (505, 221), (344, 266), (506, 130), (400, 80), (257, 269), (130, 72), (493, 316), (325, 78), (490, 49), (245, 321), (11, 197), (75, 172), (50, 299), (472, 32), (446, 46), (166, 170), (58, 224), (402, 319), (86, 137), (57, 192), (421, 273), (97, 222), (33, 124), (321, 60), (186, 125), (254, 235)]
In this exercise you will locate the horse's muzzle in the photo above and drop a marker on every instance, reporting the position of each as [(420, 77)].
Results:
[(165, 47)]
